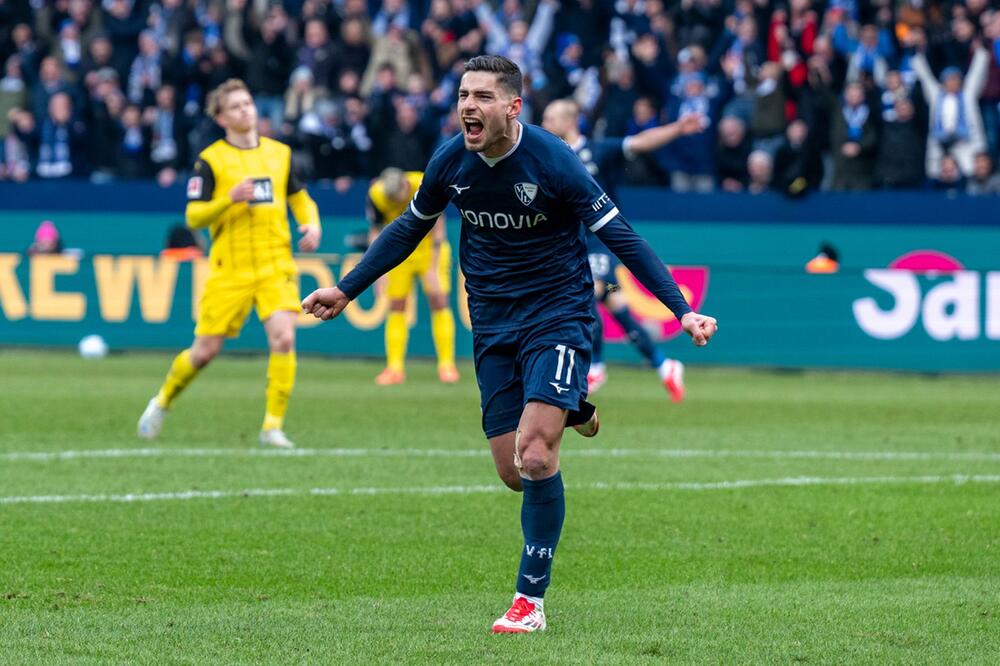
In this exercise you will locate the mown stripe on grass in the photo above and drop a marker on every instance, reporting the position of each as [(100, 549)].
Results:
[(957, 479), (47, 456)]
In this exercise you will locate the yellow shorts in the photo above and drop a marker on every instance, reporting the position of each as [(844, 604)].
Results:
[(418, 265), (226, 301)]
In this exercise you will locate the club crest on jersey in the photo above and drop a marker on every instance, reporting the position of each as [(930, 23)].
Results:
[(194, 187), (526, 192)]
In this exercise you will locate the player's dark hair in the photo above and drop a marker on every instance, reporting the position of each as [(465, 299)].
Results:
[(508, 73)]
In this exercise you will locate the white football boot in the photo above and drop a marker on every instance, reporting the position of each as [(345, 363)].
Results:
[(523, 617), (275, 437), (151, 421)]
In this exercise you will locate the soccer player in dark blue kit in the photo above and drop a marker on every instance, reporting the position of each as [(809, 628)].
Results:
[(604, 159), (525, 201)]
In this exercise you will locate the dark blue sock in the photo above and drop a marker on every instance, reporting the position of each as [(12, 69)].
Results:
[(597, 332), (639, 337), (543, 508)]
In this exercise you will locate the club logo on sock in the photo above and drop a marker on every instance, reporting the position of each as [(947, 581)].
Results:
[(533, 580)]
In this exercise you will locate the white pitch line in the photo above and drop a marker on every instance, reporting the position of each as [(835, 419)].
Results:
[(957, 479), (46, 456)]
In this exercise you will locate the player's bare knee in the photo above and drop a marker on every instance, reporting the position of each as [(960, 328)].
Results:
[(437, 301), (535, 450), (282, 342), (398, 305)]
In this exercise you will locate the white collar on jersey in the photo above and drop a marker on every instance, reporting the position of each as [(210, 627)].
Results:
[(493, 161)]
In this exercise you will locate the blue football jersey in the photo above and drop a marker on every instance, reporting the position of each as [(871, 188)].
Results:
[(603, 159), (524, 218)]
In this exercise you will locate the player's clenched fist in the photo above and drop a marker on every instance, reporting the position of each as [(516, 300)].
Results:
[(700, 327), (325, 303), (242, 192)]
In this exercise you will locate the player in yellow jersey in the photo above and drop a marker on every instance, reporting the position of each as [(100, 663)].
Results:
[(241, 189), (388, 197)]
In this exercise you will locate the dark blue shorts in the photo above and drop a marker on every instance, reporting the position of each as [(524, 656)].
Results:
[(545, 363)]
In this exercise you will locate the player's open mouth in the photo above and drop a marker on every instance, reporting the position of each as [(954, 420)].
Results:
[(473, 128)]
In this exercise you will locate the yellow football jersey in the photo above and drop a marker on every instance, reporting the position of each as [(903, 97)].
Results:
[(249, 239), (382, 210)]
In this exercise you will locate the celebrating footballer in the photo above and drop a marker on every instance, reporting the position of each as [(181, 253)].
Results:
[(526, 202)]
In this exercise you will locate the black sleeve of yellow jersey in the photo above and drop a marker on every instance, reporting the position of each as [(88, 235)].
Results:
[(201, 185), (294, 183), (374, 215)]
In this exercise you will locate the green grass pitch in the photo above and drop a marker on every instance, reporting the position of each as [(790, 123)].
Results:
[(771, 518)]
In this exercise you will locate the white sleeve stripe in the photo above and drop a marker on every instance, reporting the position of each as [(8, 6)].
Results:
[(610, 215), (416, 212), (627, 148)]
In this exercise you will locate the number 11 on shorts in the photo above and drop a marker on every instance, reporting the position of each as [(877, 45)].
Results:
[(559, 365)]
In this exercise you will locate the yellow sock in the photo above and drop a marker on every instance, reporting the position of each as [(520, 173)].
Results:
[(280, 380), (181, 372), (443, 332), (396, 334)]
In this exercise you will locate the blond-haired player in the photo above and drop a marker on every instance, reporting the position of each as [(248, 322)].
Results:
[(388, 196), (241, 189)]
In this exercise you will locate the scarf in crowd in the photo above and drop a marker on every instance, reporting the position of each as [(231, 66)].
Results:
[(855, 117), (164, 146), (699, 105), (132, 141), (960, 130), (53, 151)]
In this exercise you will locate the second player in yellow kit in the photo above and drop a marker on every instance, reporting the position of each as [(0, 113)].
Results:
[(241, 189), (388, 197)]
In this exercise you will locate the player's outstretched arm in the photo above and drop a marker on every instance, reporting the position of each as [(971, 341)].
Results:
[(639, 257), (657, 137), (325, 303), (396, 242)]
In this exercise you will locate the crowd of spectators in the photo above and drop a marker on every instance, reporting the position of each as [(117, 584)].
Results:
[(797, 95)]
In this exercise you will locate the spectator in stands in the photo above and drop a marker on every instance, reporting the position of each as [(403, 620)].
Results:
[(769, 104), (353, 51), (300, 98), (398, 49), (145, 75), (13, 95), (760, 167), (50, 81), (983, 180), (166, 136), (98, 57), (105, 128), (732, 154), (950, 178), (60, 141), (797, 164), (269, 62), (956, 127), (900, 162), (316, 53), (853, 141), (691, 159), (123, 21), (133, 159)]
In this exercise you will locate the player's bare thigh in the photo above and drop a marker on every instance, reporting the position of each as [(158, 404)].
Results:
[(535, 445)]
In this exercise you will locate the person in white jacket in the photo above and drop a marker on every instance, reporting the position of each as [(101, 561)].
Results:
[(956, 125)]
